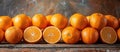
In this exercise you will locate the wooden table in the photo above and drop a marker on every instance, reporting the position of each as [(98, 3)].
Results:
[(59, 48)]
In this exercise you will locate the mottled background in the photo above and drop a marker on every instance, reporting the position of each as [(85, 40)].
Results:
[(66, 7)]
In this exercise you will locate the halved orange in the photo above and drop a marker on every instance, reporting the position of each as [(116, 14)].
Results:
[(32, 34), (52, 34), (108, 35)]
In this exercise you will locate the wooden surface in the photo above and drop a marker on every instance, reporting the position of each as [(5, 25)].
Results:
[(59, 48)]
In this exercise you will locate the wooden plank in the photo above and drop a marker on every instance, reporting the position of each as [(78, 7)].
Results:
[(59, 46), (54, 50)]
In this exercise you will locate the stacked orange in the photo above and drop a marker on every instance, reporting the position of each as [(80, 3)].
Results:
[(21, 21), (52, 34), (106, 25), (33, 34), (5, 22), (71, 35), (13, 35), (39, 20), (54, 28)]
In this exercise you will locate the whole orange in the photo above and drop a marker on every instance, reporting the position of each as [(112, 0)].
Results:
[(21, 21), (98, 21), (39, 20), (71, 35), (30, 21), (13, 35), (112, 21), (89, 35), (5, 22), (119, 21), (88, 19), (59, 20), (48, 17), (2, 34), (118, 33), (78, 21)]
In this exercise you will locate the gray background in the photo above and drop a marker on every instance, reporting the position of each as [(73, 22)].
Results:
[(66, 7)]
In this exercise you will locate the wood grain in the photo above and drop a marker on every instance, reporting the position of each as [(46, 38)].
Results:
[(59, 48)]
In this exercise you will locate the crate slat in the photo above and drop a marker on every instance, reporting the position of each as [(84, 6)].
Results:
[(59, 48)]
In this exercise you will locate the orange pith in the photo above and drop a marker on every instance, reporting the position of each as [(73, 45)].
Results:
[(32, 34), (52, 34), (108, 35)]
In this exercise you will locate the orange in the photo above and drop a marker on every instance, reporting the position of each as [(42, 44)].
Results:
[(48, 17), (118, 33), (39, 20), (13, 35), (108, 35), (98, 21), (30, 21), (119, 21), (21, 21), (88, 19), (71, 35), (89, 35), (1, 35), (5, 22), (59, 21), (112, 21), (32, 34), (78, 21), (52, 34)]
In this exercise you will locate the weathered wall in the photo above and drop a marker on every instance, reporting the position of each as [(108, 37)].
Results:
[(66, 7)]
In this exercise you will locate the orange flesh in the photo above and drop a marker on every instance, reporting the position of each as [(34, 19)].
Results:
[(108, 35), (51, 34), (32, 34)]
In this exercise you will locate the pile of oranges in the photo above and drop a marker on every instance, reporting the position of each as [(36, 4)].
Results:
[(55, 28)]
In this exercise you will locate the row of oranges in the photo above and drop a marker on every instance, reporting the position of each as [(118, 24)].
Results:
[(55, 27)]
